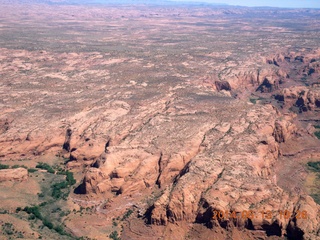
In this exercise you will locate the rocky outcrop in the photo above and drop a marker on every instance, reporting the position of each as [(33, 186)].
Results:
[(301, 97), (268, 85), (66, 144), (91, 180), (124, 171), (4, 125), (17, 174), (283, 130), (261, 77), (222, 85), (222, 182)]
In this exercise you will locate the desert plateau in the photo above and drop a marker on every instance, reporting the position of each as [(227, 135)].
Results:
[(166, 121)]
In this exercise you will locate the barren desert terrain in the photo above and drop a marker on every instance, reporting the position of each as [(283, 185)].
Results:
[(166, 121)]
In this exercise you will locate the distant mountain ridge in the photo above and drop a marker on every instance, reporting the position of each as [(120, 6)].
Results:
[(113, 2)]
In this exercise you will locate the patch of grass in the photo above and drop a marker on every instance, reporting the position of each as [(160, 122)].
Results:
[(45, 166), (317, 134), (4, 166)]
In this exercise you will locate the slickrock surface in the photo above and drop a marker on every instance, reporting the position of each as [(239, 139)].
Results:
[(170, 112), (17, 174)]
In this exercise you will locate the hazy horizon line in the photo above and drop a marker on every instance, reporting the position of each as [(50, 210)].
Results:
[(289, 4)]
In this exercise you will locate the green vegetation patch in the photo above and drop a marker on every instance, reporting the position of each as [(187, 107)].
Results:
[(45, 166), (34, 212), (32, 170), (57, 188), (4, 166), (9, 230), (19, 166), (127, 214), (316, 197), (314, 166), (48, 215), (315, 189), (253, 100), (114, 235), (317, 134)]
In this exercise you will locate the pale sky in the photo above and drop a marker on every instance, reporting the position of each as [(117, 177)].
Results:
[(272, 3)]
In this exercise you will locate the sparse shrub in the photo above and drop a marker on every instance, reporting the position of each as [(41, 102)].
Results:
[(114, 235), (59, 229), (62, 172), (316, 197), (314, 166), (317, 126), (317, 134), (43, 204), (70, 179), (252, 100), (56, 189), (62, 214), (19, 166), (41, 195), (8, 228), (32, 170), (20, 235), (47, 223), (3, 211), (127, 214), (4, 166), (33, 210), (31, 217), (45, 166)]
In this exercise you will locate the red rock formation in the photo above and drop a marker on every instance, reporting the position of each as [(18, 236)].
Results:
[(17, 174)]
